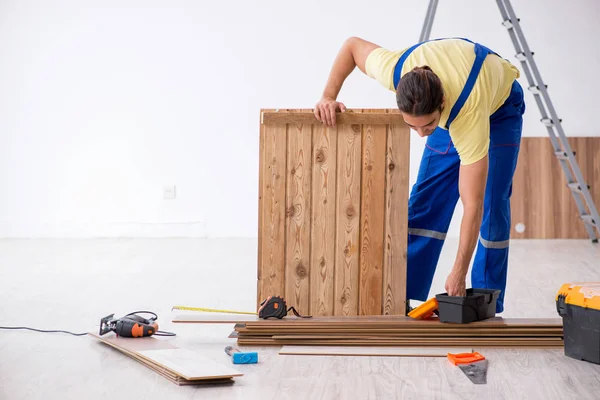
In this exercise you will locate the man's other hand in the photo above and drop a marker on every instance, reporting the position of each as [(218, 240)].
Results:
[(455, 284)]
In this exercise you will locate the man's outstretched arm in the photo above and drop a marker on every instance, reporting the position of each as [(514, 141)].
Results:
[(472, 183), (354, 53)]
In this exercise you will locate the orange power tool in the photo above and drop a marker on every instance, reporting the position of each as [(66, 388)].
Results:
[(132, 325)]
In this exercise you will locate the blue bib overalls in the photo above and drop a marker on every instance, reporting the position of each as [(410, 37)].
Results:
[(434, 196)]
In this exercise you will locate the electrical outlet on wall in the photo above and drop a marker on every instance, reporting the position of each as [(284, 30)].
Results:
[(169, 192)]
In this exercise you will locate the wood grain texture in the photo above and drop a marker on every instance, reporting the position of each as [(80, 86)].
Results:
[(350, 116), (541, 201), (271, 274), (348, 220), (396, 215), (323, 220), (329, 223), (372, 219), (298, 218)]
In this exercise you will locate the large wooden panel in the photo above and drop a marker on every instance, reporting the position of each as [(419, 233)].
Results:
[(542, 205), (333, 208)]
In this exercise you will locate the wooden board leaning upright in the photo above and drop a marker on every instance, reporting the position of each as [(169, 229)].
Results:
[(333, 211)]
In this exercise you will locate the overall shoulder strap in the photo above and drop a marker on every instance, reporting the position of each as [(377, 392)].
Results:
[(481, 52)]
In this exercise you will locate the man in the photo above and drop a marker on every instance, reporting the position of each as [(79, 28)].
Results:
[(465, 99)]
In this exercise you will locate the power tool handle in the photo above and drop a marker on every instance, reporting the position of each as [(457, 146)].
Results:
[(129, 328)]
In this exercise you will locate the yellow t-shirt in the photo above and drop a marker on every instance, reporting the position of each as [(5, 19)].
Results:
[(451, 60)]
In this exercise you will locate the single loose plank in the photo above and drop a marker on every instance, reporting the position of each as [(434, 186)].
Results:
[(350, 116), (396, 215), (348, 221), (323, 221), (297, 289), (372, 219), (271, 272), (373, 351)]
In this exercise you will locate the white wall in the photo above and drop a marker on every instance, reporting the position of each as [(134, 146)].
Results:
[(104, 103)]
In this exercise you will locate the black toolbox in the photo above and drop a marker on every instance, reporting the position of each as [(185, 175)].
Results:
[(579, 306), (477, 305)]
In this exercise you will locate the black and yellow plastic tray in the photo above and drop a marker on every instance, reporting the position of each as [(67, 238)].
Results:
[(579, 306)]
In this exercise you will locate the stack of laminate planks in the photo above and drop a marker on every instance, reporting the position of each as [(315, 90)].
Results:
[(394, 331), (403, 331), (180, 366)]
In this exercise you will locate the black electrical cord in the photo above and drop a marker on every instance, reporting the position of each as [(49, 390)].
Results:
[(157, 333), (43, 331)]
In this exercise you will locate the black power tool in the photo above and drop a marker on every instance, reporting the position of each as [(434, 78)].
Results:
[(132, 325), (275, 307)]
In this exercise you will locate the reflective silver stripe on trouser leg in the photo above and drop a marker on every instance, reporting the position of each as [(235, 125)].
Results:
[(489, 244), (427, 233)]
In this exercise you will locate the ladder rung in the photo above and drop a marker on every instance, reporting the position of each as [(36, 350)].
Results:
[(574, 186), (508, 23), (522, 57), (549, 122), (561, 155), (588, 219), (536, 89)]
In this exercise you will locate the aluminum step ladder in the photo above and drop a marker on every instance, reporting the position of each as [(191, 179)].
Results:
[(588, 212)]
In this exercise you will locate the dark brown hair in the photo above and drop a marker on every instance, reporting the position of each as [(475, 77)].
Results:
[(420, 92)]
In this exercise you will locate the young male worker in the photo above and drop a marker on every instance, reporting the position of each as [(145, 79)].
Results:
[(465, 99)]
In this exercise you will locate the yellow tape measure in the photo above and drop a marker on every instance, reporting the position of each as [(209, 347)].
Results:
[(212, 310)]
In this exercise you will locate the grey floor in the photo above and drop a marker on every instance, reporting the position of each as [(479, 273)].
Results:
[(71, 284)]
